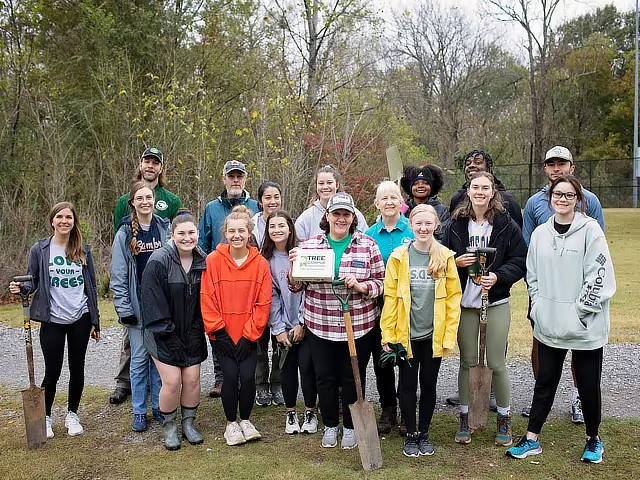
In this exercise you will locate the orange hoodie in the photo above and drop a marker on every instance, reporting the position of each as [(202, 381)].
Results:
[(236, 298)]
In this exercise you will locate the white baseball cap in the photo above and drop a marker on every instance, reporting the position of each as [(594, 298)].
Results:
[(559, 152)]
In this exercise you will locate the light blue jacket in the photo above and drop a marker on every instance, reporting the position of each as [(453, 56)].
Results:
[(215, 212), (571, 281), (537, 211), (124, 272)]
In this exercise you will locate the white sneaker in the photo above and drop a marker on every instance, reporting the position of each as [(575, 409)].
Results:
[(330, 437), (249, 431), (310, 424), (49, 423), (72, 422), (233, 434), (348, 439), (291, 425)]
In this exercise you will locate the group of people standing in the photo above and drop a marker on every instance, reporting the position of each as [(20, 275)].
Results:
[(415, 295)]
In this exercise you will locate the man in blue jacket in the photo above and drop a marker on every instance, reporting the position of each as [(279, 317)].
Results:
[(234, 177), (557, 162)]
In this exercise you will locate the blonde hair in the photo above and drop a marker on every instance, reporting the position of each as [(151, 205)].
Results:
[(239, 212), (388, 186), (437, 262)]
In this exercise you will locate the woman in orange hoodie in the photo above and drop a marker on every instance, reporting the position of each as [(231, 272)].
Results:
[(235, 298)]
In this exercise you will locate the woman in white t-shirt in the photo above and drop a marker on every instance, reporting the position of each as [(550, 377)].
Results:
[(481, 221), (66, 304)]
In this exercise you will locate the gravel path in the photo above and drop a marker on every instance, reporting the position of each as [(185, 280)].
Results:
[(620, 379)]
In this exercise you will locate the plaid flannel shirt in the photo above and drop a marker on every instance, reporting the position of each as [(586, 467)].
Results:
[(322, 310)]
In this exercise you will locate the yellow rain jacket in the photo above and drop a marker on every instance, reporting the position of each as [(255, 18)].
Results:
[(396, 312)]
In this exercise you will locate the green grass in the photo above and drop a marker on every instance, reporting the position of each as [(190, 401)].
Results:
[(108, 449), (11, 314)]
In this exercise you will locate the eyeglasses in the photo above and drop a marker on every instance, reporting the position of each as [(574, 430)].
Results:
[(568, 195)]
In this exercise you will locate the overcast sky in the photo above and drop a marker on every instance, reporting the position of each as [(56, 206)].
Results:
[(509, 35)]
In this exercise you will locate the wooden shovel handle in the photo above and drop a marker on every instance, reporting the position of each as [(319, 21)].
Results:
[(483, 325), (29, 344), (353, 354)]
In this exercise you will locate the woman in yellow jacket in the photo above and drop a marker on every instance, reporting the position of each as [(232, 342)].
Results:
[(421, 314)]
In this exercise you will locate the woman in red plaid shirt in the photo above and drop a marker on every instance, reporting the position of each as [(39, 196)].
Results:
[(358, 261)]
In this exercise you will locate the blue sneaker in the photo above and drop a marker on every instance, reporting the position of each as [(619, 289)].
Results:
[(593, 450), (524, 448), (139, 422)]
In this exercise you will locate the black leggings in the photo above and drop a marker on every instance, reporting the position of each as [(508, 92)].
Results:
[(588, 371), (385, 377), (239, 386), (52, 338), (299, 357), (332, 364), (427, 367)]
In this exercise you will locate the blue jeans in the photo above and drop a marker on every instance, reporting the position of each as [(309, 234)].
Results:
[(143, 373)]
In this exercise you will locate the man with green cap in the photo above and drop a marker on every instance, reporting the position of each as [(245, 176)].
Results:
[(151, 171)]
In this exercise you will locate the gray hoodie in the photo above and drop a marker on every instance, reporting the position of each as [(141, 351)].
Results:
[(123, 270), (286, 306), (308, 223), (571, 281)]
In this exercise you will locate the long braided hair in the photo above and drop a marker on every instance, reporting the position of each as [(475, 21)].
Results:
[(135, 224)]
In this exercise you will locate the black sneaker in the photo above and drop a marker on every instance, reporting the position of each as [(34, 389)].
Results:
[(526, 412), (411, 448), (424, 445)]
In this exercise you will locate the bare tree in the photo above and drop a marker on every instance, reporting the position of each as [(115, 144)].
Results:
[(449, 57), (535, 18)]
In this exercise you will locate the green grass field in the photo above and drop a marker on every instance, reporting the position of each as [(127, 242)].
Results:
[(109, 450)]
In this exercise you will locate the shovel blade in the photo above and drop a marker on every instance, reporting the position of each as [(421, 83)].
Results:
[(364, 423), (34, 416), (479, 396)]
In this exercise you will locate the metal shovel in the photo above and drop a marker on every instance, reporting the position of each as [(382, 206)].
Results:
[(364, 418), (480, 375), (32, 397)]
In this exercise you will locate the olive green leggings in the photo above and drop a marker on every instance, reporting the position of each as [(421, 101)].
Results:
[(498, 320)]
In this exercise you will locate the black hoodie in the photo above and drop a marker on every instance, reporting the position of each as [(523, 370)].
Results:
[(509, 202), (509, 261)]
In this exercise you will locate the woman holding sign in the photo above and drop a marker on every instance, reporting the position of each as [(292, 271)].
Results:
[(359, 263), (66, 304)]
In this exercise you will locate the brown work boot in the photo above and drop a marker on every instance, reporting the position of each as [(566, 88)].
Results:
[(216, 391), (503, 431), (463, 435), (388, 420)]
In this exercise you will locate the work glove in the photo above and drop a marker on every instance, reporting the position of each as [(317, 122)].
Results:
[(225, 343), (243, 348), (175, 347), (398, 353)]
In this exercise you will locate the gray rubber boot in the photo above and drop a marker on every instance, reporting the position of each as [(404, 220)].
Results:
[(170, 430), (189, 432)]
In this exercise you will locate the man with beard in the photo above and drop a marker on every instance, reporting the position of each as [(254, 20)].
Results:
[(481, 161), (151, 171), (234, 177)]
